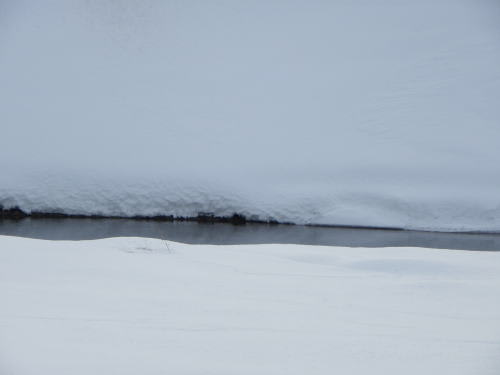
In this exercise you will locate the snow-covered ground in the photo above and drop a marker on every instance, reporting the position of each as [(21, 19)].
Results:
[(376, 113), (134, 306)]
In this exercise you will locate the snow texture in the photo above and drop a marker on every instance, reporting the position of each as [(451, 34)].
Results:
[(134, 306), (372, 113)]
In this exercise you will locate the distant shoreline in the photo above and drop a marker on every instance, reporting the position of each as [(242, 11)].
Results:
[(235, 219), (16, 213)]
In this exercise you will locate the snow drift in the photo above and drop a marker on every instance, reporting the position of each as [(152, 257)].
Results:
[(380, 113), (134, 306)]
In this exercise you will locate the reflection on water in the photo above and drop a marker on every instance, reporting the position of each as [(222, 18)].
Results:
[(225, 234)]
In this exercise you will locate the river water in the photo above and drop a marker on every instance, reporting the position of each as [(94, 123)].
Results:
[(225, 234)]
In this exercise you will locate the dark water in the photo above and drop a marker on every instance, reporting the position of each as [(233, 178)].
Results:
[(224, 234)]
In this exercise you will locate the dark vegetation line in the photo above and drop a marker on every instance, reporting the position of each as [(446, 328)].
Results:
[(16, 213), (202, 217)]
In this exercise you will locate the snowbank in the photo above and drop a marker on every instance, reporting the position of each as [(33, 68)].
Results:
[(132, 305), (380, 113)]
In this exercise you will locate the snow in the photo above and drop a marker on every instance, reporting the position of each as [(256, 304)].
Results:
[(372, 113), (134, 305)]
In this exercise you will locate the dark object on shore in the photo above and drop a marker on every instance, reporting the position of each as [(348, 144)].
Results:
[(12, 213)]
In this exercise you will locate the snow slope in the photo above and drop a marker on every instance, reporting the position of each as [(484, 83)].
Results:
[(376, 113), (132, 306)]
